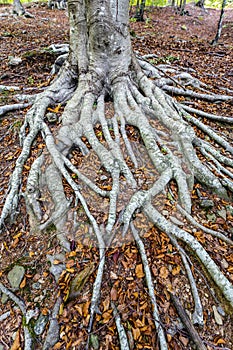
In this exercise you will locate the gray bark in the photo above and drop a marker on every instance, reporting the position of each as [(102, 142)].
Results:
[(18, 8)]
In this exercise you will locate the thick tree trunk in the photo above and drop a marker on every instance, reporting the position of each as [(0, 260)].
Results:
[(99, 39)]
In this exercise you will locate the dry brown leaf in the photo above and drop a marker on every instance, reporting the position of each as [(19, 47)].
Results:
[(139, 271), (56, 262), (163, 272), (219, 341), (136, 333), (106, 304), (86, 308), (184, 340), (114, 294), (176, 270), (107, 316), (57, 346), (16, 344)]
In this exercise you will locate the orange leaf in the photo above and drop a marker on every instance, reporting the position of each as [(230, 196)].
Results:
[(17, 235), (136, 333), (220, 341), (16, 344), (23, 283), (139, 271), (176, 270), (107, 316), (45, 311), (57, 346), (55, 110), (86, 308), (70, 270), (56, 262), (163, 273)]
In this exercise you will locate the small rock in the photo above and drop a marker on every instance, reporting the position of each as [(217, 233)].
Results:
[(206, 203), (94, 341), (52, 117), (56, 270), (103, 177), (217, 317), (40, 324), (165, 212), (221, 311), (224, 264), (222, 213), (229, 209), (39, 298), (14, 61), (15, 276), (211, 217), (4, 298), (36, 285)]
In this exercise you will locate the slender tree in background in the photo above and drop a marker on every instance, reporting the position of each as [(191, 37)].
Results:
[(101, 68), (200, 3), (219, 30), (18, 8), (140, 7)]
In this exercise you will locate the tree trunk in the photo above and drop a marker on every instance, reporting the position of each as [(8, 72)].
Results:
[(140, 10), (18, 8), (219, 30), (99, 39)]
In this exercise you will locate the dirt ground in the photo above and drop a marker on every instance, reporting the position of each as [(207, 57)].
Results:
[(179, 40)]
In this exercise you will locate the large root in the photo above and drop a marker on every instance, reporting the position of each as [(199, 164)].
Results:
[(171, 144)]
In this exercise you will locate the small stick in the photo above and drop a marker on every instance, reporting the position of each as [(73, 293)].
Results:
[(187, 323)]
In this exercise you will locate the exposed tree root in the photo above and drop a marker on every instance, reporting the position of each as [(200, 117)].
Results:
[(9, 108), (169, 141), (27, 314)]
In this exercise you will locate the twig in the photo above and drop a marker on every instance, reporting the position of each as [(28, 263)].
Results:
[(187, 323)]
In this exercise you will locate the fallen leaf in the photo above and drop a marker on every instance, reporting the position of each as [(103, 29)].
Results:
[(184, 340), (136, 333), (176, 270), (16, 344), (139, 271), (114, 294), (163, 272)]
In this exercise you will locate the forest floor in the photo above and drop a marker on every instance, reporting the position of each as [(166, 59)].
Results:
[(179, 40)]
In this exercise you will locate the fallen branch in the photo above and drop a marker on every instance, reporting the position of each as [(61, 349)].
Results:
[(187, 323)]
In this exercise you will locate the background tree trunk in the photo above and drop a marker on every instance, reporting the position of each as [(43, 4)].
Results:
[(219, 30), (18, 8)]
